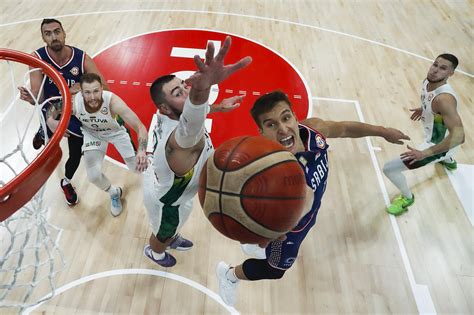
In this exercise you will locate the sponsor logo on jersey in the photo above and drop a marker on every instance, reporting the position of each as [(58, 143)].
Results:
[(104, 110), (74, 71), (430, 97)]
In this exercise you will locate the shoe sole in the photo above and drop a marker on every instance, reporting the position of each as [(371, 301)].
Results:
[(181, 249)]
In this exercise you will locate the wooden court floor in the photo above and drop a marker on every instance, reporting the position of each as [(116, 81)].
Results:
[(362, 60)]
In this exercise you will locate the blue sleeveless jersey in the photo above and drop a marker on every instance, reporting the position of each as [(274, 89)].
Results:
[(314, 161), (72, 72)]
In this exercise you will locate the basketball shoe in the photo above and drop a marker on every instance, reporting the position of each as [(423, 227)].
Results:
[(227, 288), (449, 164), (400, 204), (69, 193), (253, 250), (115, 203), (180, 243), (38, 139), (167, 261)]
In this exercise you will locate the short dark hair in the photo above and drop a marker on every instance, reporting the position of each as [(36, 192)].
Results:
[(265, 103), (90, 77), (49, 21), (156, 89), (454, 60)]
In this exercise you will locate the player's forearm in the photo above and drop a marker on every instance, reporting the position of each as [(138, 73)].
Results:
[(452, 140), (191, 124), (353, 129), (142, 138)]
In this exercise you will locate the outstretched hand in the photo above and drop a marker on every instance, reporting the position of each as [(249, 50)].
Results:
[(25, 95), (393, 135), (212, 70), (227, 104), (412, 155)]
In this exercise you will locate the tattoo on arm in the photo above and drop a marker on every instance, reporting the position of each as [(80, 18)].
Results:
[(142, 143)]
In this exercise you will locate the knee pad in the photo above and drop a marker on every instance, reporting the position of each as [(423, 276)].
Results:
[(259, 269)]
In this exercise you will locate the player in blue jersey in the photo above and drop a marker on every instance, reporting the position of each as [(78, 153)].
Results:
[(72, 63), (306, 139)]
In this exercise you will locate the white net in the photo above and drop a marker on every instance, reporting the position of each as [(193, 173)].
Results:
[(30, 257)]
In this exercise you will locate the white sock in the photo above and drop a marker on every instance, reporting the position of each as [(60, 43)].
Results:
[(393, 170), (65, 181), (230, 275), (157, 256)]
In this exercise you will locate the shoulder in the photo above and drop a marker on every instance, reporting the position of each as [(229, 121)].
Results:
[(444, 101), (316, 124)]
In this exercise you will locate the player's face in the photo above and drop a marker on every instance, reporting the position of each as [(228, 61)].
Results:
[(440, 70), (92, 95), (280, 125), (176, 92), (54, 36)]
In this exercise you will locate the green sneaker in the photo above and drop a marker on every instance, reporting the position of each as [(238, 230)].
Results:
[(450, 166), (400, 205)]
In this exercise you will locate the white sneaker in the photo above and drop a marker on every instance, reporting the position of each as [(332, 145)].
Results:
[(254, 250), (115, 203), (226, 287)]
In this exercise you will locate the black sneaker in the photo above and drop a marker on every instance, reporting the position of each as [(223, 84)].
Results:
[(69, 194), (38, 140)]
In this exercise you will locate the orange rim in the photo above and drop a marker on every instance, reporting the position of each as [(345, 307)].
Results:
[(18, 191)]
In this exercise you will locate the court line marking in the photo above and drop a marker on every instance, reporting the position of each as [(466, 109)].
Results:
[(420, 292), (240, 15), (149, 272)]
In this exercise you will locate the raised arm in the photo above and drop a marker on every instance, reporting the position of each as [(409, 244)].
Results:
[(118, 106), (36, 77), (354, 129)]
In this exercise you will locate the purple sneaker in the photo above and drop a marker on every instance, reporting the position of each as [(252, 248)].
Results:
[(180, 243), (167, 261)]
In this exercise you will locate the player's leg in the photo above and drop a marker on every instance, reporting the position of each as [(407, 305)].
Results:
[(393, 170), (72, 164), (156, 248), (281, 255), (94, 153), (166, 220)]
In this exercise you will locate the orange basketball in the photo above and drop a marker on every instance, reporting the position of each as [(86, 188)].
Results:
[(252, 190)]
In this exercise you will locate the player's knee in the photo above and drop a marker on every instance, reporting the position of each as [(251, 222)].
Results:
[(258, 269), (94, 176)]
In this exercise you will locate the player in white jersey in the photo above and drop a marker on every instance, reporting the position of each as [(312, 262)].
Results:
[(96, 110), (442, 126), (182, 147)]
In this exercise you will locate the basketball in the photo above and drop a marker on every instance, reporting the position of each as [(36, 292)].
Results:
[(252, 190)]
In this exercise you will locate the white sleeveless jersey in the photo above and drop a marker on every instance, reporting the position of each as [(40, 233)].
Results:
[(100, 123), (433, 125), (169, 188)]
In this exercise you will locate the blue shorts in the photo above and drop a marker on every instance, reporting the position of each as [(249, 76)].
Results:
[(282, 254)]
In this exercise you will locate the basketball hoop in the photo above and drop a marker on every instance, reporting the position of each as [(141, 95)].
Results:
[(30, 257), (19, 190)]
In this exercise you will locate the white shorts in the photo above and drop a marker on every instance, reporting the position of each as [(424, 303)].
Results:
[(152, 193), (120, 139)]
